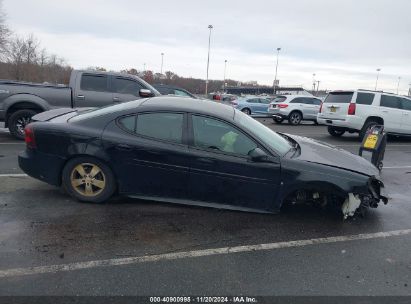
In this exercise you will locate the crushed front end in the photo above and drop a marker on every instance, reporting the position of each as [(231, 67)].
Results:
[(365, 197)]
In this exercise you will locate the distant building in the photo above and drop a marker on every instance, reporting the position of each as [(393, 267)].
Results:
[(257, 90)]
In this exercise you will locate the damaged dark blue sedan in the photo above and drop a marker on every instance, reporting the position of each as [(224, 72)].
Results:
[(183, 151)]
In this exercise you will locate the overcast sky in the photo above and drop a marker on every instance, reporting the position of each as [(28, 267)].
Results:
[(342, 41)]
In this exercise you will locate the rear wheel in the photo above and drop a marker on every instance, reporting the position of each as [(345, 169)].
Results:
[(336, 132), (88, 179), (246, 111), (18, 121), (295, 118)]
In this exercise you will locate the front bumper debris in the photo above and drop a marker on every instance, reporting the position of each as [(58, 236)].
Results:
[(359, 202)]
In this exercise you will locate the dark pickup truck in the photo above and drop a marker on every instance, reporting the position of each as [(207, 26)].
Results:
[(19, 101)]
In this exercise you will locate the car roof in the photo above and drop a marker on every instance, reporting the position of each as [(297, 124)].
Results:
[(298, 95), (186, 104)]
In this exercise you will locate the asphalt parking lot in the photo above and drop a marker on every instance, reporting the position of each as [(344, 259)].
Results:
[(52, 245)]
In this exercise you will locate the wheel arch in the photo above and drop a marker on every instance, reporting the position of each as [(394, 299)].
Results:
[(296, 110), (22, 104), (320, 186), (104, 160), (246, 108), (377, 119)]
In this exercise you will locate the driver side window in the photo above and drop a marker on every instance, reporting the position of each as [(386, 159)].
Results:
[(213, 134), (127, 86)]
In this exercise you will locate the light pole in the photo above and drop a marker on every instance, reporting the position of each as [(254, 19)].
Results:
[(276, 69), (398, 85), (162, 61), (144, 65), (318, 86), (225, 68), (210, 27), (409, 90), (376, 82), (313, 82)]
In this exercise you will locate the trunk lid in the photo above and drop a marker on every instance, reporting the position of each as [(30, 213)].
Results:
[(56, 115)]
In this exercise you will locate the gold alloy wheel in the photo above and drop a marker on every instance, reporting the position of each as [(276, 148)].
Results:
[(88, 179)]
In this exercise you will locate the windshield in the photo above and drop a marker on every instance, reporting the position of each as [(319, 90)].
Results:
[(268, 136)]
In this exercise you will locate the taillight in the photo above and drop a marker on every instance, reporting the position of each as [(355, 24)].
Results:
[(29, 137), (351, 109), (321, 108), (282, 105)]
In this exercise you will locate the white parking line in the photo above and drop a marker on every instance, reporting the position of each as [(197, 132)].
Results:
[(399, 167), (14, 175), (194, 254), (388, 145)]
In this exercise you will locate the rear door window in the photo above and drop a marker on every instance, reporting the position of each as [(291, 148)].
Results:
[(316, 101), (253, 100), (365, 98), (298, 100), (264, 101), (390, 102), (339, 97), (96, 83), (162, 126), (128, 123), (406, 104)]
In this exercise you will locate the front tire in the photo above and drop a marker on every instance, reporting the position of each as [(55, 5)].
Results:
[(88, 180), (295, 118), (18, 121), (278, 120), (335, 132)]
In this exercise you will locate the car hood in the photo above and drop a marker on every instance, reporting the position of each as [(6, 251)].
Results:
[(315, 151)]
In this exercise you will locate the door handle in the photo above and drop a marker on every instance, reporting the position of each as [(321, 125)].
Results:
[(116, 99), (385, 111), (123, 147), (80, 97)]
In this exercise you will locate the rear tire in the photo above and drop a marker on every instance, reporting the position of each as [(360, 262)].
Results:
[(367, 126), (295, 118), (18, 121), (335, 132), (88, 180), (246, 111)]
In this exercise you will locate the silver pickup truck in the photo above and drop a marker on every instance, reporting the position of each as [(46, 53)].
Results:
[(19, 101)]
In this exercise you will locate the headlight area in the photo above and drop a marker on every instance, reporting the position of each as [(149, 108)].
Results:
[(363, 198)]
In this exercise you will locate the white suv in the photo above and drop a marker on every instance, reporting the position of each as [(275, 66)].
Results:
[(360, 110), (294, 108)]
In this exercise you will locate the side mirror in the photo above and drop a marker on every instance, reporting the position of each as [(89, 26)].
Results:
[(257, 155), (145, 93)]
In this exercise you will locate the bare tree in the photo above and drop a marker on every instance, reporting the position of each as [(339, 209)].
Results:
[(32, 46), (4, 32), (16, 54)]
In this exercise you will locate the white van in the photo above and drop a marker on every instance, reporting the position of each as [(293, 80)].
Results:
[(360, 110)]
